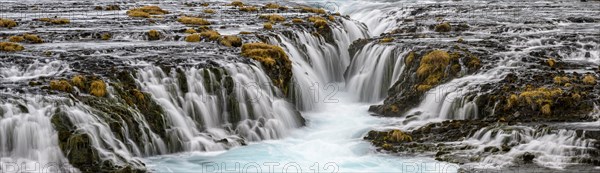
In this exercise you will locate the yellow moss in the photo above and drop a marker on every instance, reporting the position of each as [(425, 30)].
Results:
[(409, 58), (245, 32), (540, 96), (443, 27), (568, 85), (331, 18), (209, 11), (424, 87), (33, 38), (315, 18), (78, 81), (16, 38), (474, 62), (237, 3), (460, 40), (138, 95), (190, 31), (320, 24), (546, 110), (551, 62), (561, 80), (273, 18), (268, 26), (267, 54), (10, 47), (231, 41), (513, 100), (432, 62), (386, 40), (138, 14), (7, 23), (204, 4), (106, 36), (192, 21), (313, 10), (153, 35), (399, 136), (211, 35), (248, 9), (589, 79), (576, 97), (394, 109), (193, 38), (98, 88), (62, 85), (297, 20), (146, 11), (272, 6)]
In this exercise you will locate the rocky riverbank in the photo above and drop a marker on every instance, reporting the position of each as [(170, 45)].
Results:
[(492, 80)]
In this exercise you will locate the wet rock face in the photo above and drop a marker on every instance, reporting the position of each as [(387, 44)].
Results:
[(94, 64), (525, 69)]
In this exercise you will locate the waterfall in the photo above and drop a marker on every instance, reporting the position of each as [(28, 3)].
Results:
[(552, 148), (27, 139), (373, 70), (34, 70), (204, 105), (317, 64)]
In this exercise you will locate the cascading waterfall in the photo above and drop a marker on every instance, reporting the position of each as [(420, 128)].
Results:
[(27, 139), (33, 70), (318, 64), (204, 105), (373, 70), (554, 148)]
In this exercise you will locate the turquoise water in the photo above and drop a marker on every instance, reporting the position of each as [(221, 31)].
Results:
[(331, 142)]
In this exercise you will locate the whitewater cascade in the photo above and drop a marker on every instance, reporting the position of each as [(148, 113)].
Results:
[(319, 65)]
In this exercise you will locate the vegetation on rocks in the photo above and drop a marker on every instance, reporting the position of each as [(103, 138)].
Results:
[(146, 11), (272, 6), (209, 11), (190, 31), (589, 79), (443, 27), (193, 21), (105, 36), (273, 18), (231, 41), (61, 85), (7, 23), (16, 39), (248, 9), (297, 20), (276, 62), (313, 10), (237, 3), (153, 35), (268, 26), (432, 69), (10, 47), (386, 40), (33, 38), (193, 38), (210, 35), (56, 21), (98, 88)]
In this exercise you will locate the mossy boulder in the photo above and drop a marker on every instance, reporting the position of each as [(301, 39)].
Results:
[(275, 61)]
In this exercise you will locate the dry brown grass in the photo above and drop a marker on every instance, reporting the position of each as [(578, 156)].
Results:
[(10, 47), (190, 31), (248, 9), (98, 88), (209, 11), (297, 20), (78, 81), (443, 27), (313, 10), (193, 38), (273, 18), (266, 54), (7, 23), (62, 85), (153, 35), (268, 26), (231, 41), (33, 38), (589, 79), (237, 3), (146, 11), (192, 21), (386, 40), (211, 35), (272, 6), (16, 39)]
